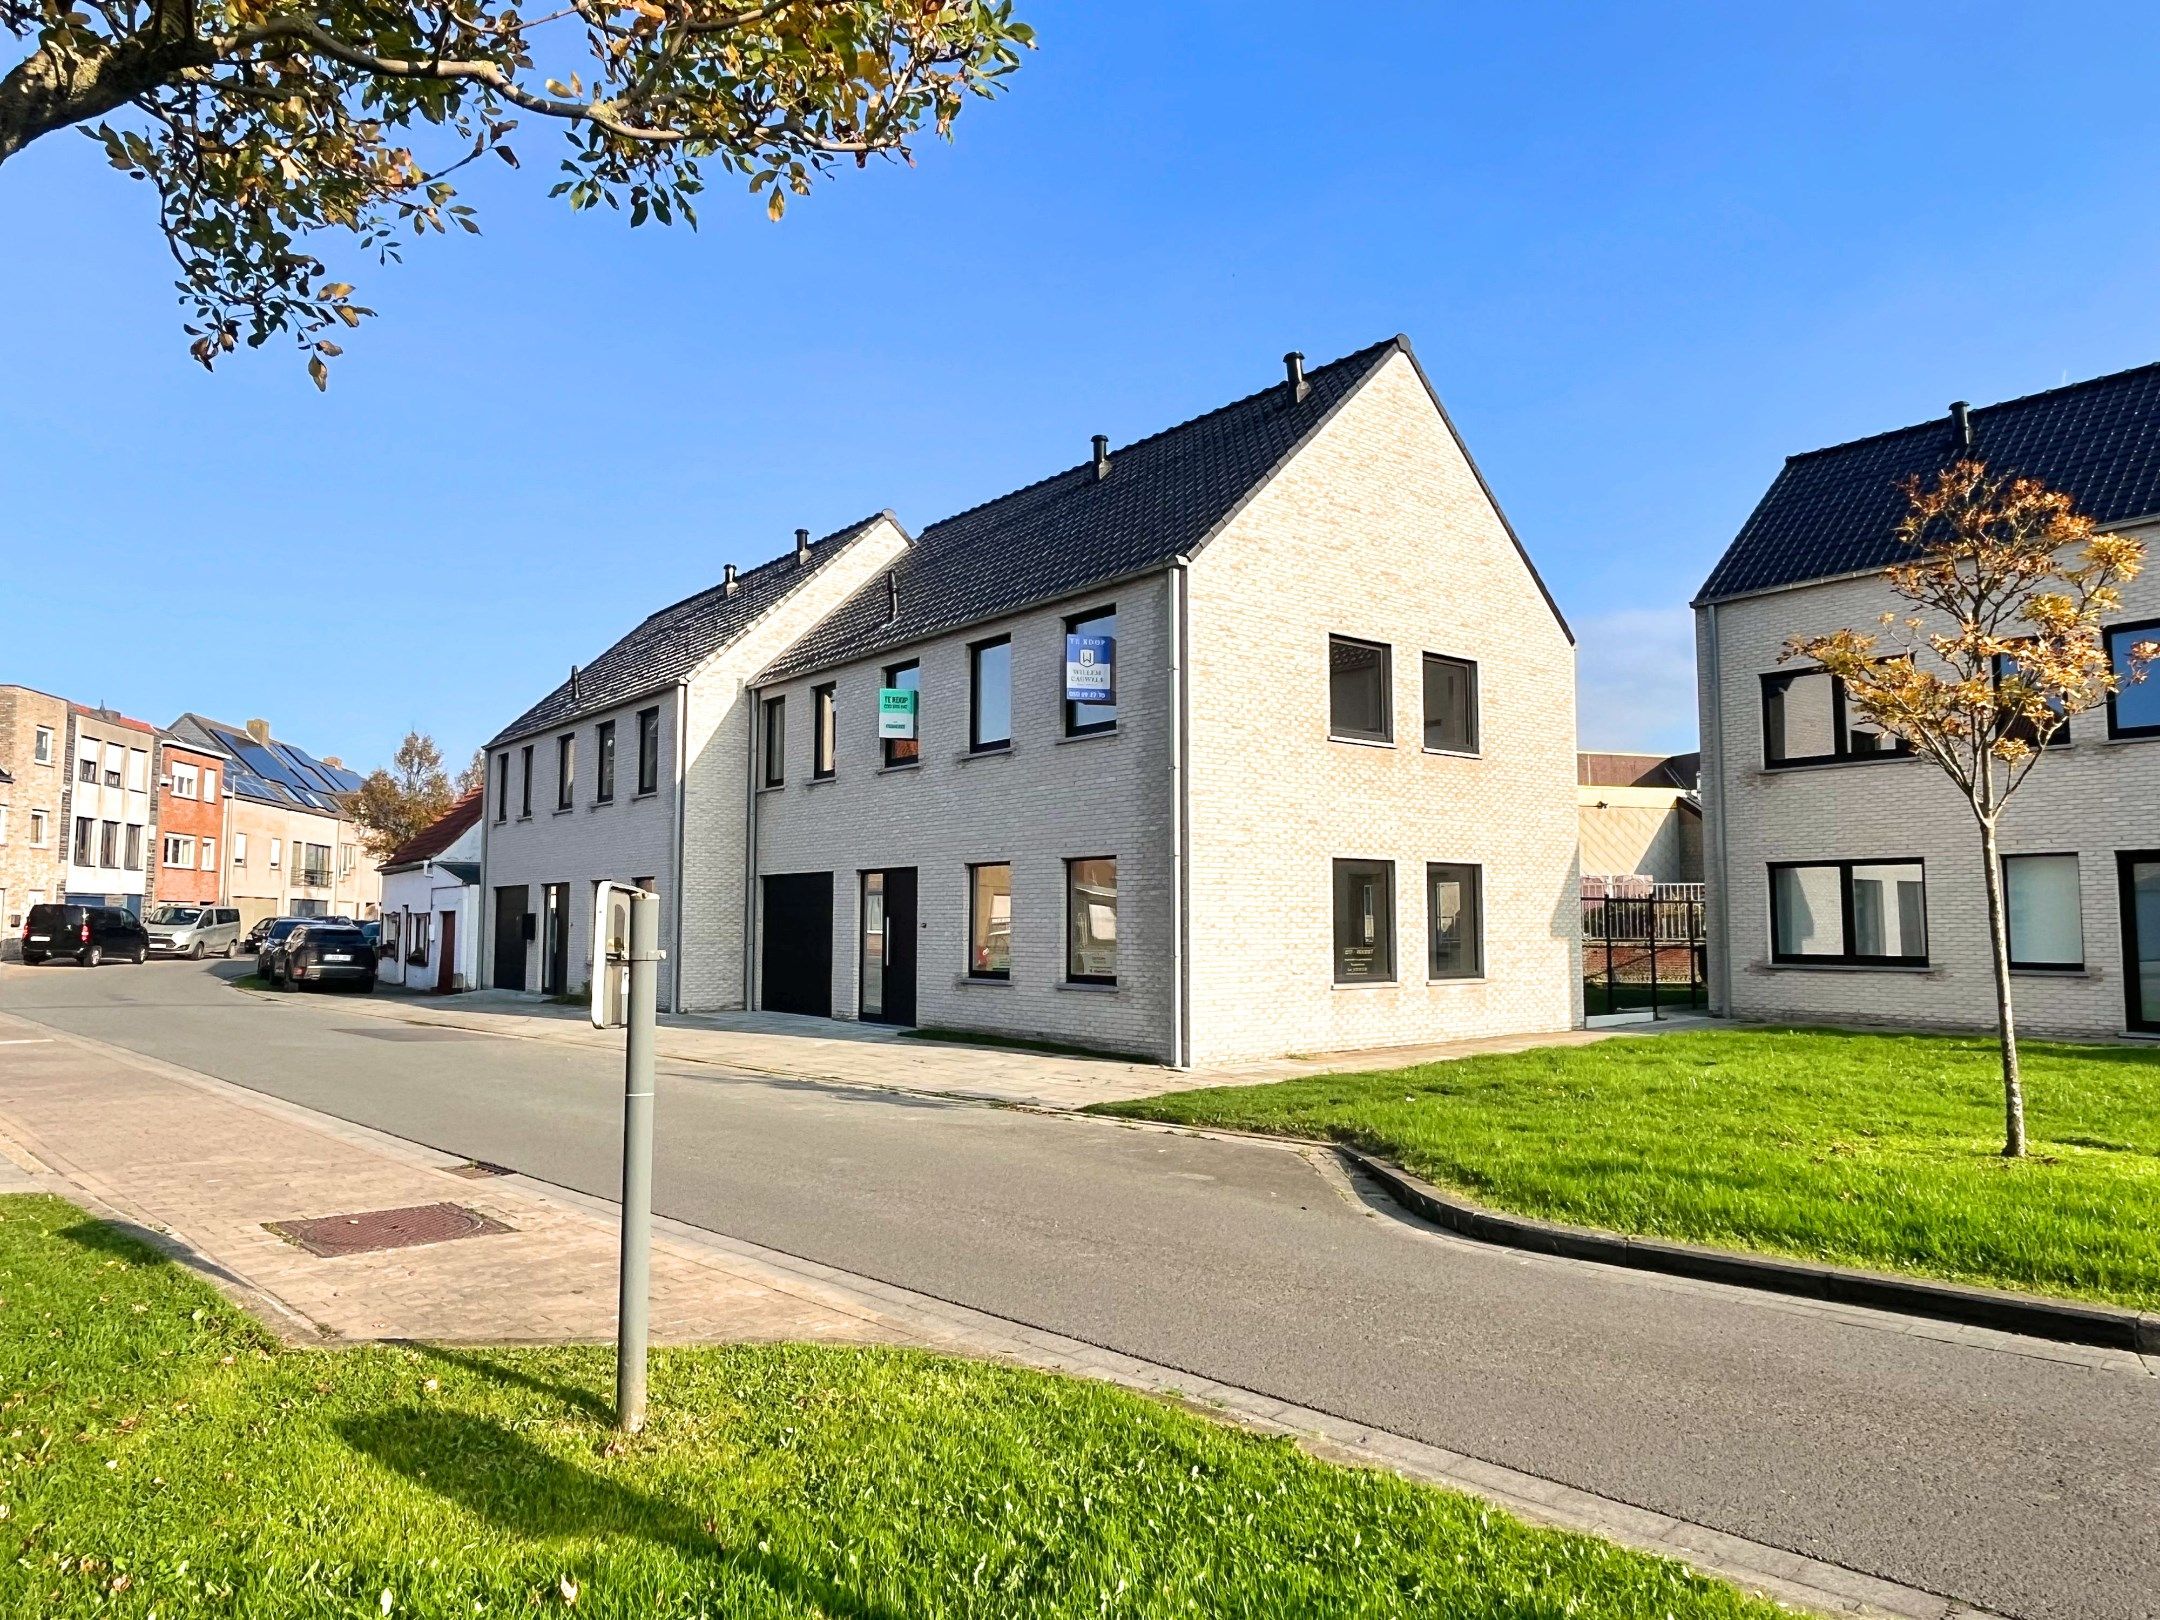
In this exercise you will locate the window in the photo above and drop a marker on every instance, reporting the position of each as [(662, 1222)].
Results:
[(772, 740), (421, 940), (186, 783), (2005, 667), (1807, 721), (990, 695), (3, 823), (86, 769), (905, 750), (209, 854), (1451, 707), (2047, 920), (565, 769), (277, 852), (109, 844), (1866, 913), (1364, 922), (1091, 921), (1081, 719), (1455, 920), (2134, 706), (393, 925), (990, 921), (85, 834), (43, 753), (1358, 691), (825, 719), (346, 859), (502, 788), (138, 770), (604, 762), (179, 852), (39, 829), (239, 849), (648, 751), (209, 784), (525, 782)]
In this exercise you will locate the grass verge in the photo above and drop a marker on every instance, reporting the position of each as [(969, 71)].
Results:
[(1878, 1151), (163, 1456)]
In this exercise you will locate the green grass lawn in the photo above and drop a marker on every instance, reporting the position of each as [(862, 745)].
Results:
[(1870, 1150), (160, 1455)]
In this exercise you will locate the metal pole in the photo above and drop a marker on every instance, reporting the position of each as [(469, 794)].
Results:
[(632, 1307), (1612, 982), (1655, 1015)]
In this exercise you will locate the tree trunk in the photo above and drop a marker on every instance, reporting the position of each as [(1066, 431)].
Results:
[(2005, 1016), (55, 88)]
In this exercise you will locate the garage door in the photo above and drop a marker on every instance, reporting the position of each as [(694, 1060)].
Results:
[(797, 961)]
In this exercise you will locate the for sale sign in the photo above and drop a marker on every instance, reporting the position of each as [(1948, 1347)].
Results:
[(895, 712), (1090, 669)]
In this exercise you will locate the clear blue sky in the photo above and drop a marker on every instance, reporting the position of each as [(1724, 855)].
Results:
[(1644, 251)]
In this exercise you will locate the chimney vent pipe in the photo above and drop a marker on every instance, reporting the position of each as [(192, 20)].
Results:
[(1961, 422), (802, 547), (892, 597), (1294, 366), (1102, 456), (729, 579)]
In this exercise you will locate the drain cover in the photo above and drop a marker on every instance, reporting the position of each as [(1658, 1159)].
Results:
[(415, 1034), (377, 1229), (480, 1170)]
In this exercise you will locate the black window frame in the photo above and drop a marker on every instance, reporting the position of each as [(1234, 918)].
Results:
[(2127, 861), (1072, 974), (1386, 935), (2010, 935), (2135, 630), (824, 731), (1849, 957), (502, 787), (566, 771), (1385, 737), (891, 746), (604, 762), (1076, 624), (977, 742), (974, 868), (1842, 752), (772, 740), (525, 768), (1476, 745), (648, 750), (1475, 888), (2061, 739)]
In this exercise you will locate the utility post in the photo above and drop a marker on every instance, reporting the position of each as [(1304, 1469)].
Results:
[(626, 932)]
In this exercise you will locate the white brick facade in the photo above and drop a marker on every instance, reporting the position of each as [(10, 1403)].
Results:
[(2094, 798)]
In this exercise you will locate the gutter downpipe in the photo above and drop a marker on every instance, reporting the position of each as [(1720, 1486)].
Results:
[(1180, 794), (1715, 686), (750, 850), (682, 783)]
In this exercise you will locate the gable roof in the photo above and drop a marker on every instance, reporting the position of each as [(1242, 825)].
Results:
[(1835, 511), (438, 835), (272, 772), (671, 643), (1165, 496)]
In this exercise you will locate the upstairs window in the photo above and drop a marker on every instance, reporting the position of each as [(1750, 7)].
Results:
[(1358, 709), (86, 769), (825, 723), (525, 763), (1850, 913), (239, 849), (2134, 706), (565, 769), (502, 787), (1092, 636), (1451, 705), (1807, 720), (85, 835), (904, 750), (604, 762), (43, 753), (773, 740), (186, 783), (209, 784), (990, 695), (2006, 665), (648, 750), (1364, 922)]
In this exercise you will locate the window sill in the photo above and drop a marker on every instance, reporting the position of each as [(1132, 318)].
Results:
[(2054, 970), (1368, 984), (1863, 762), (1456, 753), (1087, 988), (771, 787), (649, 793), (1362, 742), (1460, 978), (2132, 737), (821, 781), (982, 981), (1848, 967), (564, 810), (599, 804), (901, 768), (1086, 736), (1001, 751), (527, 816)]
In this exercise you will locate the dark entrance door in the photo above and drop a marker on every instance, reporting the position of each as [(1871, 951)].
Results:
[(888, 946), (797, 966), (2140, 870), (510, 907), (446, 955), (555, 930)]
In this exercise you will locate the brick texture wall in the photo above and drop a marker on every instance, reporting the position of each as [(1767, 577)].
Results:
[(199, 818), (2093, 798), (30, 872)]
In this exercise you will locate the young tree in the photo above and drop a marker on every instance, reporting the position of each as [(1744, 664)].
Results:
[(474, 776), (2012, 584), (396, 802), (261, 123)]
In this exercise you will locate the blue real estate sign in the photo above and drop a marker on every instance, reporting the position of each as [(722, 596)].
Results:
[(1090, 669)]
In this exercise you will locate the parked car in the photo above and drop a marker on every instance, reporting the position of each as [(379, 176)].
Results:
[(274, 932), (193, 931), (88, 934), (324, 953)]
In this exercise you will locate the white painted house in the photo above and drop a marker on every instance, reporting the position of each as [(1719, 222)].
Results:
[(431, 904)]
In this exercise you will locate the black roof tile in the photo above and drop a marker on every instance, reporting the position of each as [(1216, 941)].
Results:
[(1835, 511)]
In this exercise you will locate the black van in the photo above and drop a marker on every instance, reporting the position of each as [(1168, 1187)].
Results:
[(89, 934)]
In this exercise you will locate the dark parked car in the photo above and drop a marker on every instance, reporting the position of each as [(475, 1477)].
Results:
[(88, 934), (322, 953), (270, 936)]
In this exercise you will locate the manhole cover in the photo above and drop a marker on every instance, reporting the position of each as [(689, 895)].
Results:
[(480, 1170), (415, 1034), (377, 1229)]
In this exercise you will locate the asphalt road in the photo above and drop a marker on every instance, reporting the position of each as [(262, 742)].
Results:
[(1984, 1469)]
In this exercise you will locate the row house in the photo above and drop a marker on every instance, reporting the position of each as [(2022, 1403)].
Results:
[(109, 811), (1253, 736), (192, 810), (34, 776)]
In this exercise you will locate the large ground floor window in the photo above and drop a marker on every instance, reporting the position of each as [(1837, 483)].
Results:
[(990, 921), (1858, 913), (1091, 921), (1455, 919), (1364, 922), (2046, 918)]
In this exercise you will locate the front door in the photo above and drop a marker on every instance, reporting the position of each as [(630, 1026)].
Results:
[(797, 959), (446, 955), (555, 930), (888, 946), (510, 907), (2140, 871)]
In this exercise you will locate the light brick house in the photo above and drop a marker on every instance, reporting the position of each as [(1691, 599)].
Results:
[(1845, 875), (1332, 804), (110, 810), (34, 771)]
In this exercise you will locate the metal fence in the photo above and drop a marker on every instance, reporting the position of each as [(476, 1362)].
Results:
[(1643, 947)]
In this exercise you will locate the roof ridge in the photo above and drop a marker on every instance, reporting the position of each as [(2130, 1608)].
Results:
[(844, 532), (1397, 341), (1997, 405)]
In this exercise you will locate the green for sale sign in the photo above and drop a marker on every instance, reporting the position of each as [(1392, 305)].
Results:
[(895, 712)]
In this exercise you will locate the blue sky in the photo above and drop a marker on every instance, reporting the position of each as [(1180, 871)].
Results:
[(1644, 251)]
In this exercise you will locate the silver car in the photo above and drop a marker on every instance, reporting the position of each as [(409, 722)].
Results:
[(193, 931)]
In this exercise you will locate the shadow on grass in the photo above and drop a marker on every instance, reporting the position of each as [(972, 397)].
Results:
[(135, 1245), (524, 1491), (593, 1405)]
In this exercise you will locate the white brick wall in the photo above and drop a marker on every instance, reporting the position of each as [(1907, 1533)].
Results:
[(2093, 798)]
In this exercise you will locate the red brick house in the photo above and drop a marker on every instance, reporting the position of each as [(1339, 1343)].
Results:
[(191, 844)]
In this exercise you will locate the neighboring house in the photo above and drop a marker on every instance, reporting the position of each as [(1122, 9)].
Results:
[(1254, 736), (109, 810), (292, 851), (33, 792), (634, 770), (1641, 816), (191, 825), (1844, 872), (431, 903)]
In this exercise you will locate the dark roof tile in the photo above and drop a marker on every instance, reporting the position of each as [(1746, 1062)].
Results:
[(438, 835)]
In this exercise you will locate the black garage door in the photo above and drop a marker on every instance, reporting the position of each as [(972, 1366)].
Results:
[(798, 943)]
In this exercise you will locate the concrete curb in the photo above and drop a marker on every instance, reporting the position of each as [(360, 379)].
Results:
[(2114, 1327)]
